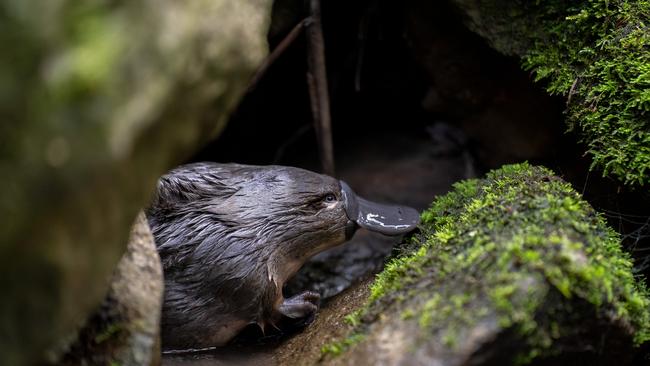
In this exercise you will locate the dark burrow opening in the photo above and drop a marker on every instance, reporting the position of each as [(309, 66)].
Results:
[(418, 102)]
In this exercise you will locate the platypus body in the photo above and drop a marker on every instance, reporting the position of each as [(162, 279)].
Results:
[(229, 237)]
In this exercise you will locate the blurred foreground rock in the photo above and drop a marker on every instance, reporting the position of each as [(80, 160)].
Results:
[(125, 329), (98, 99), (511, 269)]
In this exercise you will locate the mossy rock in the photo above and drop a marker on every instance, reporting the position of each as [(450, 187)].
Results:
[(125, 329), (99, 98), (508, 269), (597, 54)]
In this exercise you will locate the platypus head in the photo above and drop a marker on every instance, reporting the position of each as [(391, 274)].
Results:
[(230, 220), (325, 212)]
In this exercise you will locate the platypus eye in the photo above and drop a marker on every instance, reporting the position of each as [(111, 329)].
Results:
[(330, 197)]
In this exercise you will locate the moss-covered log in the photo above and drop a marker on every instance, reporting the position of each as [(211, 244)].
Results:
[(597, 53), (508, 269)]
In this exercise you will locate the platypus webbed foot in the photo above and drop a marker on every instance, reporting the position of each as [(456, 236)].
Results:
[(302, 305)]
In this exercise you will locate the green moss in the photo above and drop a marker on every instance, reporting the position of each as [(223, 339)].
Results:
[(597, 53), (515, 246), (336, 348), (112, 331)]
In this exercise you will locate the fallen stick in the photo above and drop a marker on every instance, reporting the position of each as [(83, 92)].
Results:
[(318, 90), (276, 53)]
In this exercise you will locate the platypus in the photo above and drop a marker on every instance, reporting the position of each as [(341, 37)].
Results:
[(229, 236)]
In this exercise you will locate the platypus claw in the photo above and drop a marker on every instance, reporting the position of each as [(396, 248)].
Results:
[(302, 305)]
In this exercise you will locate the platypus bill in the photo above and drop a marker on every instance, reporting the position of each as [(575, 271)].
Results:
[(229, 237)]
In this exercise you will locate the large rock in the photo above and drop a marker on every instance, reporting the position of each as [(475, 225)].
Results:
[(509, 269), (125, 330), (99, 98)]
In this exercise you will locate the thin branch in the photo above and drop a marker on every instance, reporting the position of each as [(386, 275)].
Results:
[(275, 54), (318, 90)]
